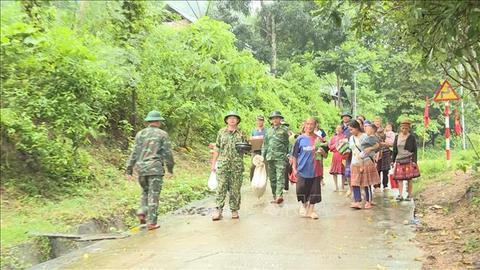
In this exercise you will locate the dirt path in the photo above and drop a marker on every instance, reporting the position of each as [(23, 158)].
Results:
[(266, 236)]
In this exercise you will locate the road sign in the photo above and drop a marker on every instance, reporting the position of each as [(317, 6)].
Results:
[(445, 92)]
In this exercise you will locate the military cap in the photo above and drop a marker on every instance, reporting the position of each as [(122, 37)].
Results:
[(232, 113), (153, 116), (275, 114)]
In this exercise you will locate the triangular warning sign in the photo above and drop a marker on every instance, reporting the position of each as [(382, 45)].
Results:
[(445, 92)]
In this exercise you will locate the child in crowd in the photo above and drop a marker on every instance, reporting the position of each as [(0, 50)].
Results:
[(371, 140), (389, 134), (337, 167)]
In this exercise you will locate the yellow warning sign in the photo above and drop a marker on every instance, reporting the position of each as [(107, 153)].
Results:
[(445, 92)]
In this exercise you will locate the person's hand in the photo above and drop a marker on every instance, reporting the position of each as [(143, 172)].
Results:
[(213, 168), (290, 160), (367, 151), (129, 177)]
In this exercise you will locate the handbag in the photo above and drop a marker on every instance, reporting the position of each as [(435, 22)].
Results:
[(212, 181), (342, 148)]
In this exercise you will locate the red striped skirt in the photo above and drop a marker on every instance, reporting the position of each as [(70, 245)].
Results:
[(406, 171), (364, 174), (337, 166)]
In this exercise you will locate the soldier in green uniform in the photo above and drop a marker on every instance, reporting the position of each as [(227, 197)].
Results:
[(275, 152), (150, 152), (230, 166)]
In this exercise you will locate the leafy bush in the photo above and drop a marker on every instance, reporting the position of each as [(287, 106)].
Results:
[(64, 88)]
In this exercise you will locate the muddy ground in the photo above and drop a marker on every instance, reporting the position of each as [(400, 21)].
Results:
[(449, 229)]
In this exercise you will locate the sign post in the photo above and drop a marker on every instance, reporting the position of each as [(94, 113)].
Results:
[(446, 93), (464, 130)]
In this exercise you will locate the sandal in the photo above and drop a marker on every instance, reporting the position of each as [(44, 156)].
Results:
[(152, 226), (399, 198), (368, 205), (355, 205)]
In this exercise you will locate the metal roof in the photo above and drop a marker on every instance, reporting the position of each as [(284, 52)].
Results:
[(192, 10)]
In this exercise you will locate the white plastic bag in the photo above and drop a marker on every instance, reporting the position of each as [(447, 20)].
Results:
[(259, 180), (212, 181)]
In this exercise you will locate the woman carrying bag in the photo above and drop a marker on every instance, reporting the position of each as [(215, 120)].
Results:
[(405, 159)]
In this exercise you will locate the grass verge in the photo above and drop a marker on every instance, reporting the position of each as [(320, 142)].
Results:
[(109, 196)]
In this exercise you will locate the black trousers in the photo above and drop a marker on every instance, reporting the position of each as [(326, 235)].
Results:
[(309, 190), (288, 171), (384, 175)]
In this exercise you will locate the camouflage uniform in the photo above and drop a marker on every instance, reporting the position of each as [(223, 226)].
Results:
[(230, 168), (275, 151), (151, 151)]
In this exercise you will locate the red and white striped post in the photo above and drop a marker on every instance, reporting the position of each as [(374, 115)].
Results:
[(447, 132)]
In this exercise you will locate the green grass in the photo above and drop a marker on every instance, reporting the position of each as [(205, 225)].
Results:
[(110, 195), (472, 245), (434, 167)]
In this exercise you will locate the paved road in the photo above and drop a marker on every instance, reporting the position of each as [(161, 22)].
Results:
[(266, 237)]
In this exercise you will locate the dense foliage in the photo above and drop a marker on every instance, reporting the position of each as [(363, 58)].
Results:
[(67, 84), (77, 73)]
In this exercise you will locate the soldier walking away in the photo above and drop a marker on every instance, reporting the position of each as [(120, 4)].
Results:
[(230, 166), (151, 150), (275, 151)]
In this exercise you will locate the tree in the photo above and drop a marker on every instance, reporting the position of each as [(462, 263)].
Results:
[(446, 33)]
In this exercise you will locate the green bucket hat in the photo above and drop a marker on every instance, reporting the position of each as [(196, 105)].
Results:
[(346, 114), (232, 113), (275, 114), (154, 116)]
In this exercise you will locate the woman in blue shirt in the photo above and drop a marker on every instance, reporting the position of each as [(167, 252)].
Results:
[(308, 169)]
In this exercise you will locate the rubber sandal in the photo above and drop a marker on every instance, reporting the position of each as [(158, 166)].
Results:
[(152, 226), (355, 205)]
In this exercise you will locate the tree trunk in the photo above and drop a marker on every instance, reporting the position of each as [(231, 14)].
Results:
[(338, 91), (82, 9), (273, 67), (133, 117)]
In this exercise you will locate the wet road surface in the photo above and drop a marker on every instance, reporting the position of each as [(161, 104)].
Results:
[(267, 236)]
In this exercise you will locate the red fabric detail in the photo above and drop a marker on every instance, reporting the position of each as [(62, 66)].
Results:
[(318, 168), (426, 117), (393, 182), (457, 127), (292, 177)]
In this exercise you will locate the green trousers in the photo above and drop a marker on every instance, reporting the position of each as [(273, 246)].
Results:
[(151, 188), (276, 173), (230, 178)]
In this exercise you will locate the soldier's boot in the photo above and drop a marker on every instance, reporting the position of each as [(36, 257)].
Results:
[(152, 226), (217, 215), (235, 214), (141, 219)]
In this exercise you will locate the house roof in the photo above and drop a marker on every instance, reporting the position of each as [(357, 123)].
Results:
[(192, 10)]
